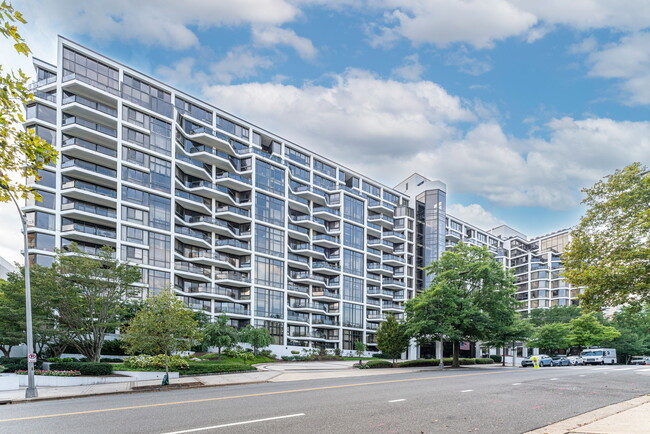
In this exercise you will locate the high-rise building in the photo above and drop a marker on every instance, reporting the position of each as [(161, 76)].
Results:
[(237, 220)]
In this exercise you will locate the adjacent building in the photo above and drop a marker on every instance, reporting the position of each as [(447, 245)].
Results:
[(237, 220)]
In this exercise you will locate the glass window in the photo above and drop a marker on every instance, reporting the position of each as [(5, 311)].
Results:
[(325, 168), (350, 338), (352, 315), (370, 188), (353, 209), (297, 156), (269, 177), (276, 329), (161, 174), (232, 128), (134, 195), (134, 215), (299, 172), (135, 254), (324, 182), (42, 260), (352, 236), (41, 112), (269, 272), (159, 249), (390, 197), (134, 235), (157, 281), (41, 220), (269, 240), (48, 179), (47, 199), (45, 133), (36, 240), (352, 289), (194, 111), (269, 209), (352, 262), (135, 176), (269, 303), (160, 212)]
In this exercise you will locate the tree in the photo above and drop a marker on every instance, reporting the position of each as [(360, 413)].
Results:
[(392, 339), (164, 325), (634, 328), (513, 330), (359, 348), (257, 338), (469, 294), (609, 252), (551, 337), (92, 296), (561, 314), (21, 152), (12, 323), (587, 331), (220, 335)]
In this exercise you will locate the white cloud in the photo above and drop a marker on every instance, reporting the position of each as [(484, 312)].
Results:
[(466, 64), (271, 36), (627, 61), (474, 214), (410, 70), (240, 62), (168, 23)]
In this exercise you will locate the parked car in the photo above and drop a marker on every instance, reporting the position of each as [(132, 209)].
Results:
[(561, 361), (640, 360), (575, 360), (544, 360)]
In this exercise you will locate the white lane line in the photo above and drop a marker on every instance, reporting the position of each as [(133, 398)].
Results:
[(553, 379), (236, 423), (624, 369), (397, 400), (582, 375), (642, 369), (516, 384), (468, 390)]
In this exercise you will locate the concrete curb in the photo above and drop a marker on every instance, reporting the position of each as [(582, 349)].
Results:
[(571, 424)]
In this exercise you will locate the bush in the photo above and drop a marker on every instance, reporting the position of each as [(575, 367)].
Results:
[(13, 364), (378, 364), (497, 359), (86, 368), (419, 362), (110, 360), (484, 361), (380, 356), (113, 348), (295, 352), (464, 361), (144, 361), (52, 373), (209, 368), (60, 359)]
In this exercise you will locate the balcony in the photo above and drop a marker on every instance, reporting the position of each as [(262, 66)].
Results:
[(238, 310), (193, 201), (308, 221), (82, 85), (392, 283), (381, 206), (234, 181), (327, 240), (376, 317), (77, 105), (382, 220), (83, 149), (87, 171), (323, 322), (305, 249), (326, 213), (374, 229), (326, 295), (90, 131), (210, 155), (192, 271), (393, 260), (379, 293), (298, 203), (192, 236), (234, 214), (389, 306), (88, 212), (394, 237), (383, 245), (326, 267), (82, 190), (307, 278), (89, 233), (299, 290), (233, 278), (380, 269), (212, 138), (306, 306), (231, 294), (193, 167), (235, 247)]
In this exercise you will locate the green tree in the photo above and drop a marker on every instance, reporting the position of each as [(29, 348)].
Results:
[(165, 325), (220, 335), (392, 339), (506, 334), (551, 337), (634, 328), (587, 331), (609, 252), (256, 337), (21, 152), (92, 296), (469, 295), (359, 348), (12, 318), (562, 314)]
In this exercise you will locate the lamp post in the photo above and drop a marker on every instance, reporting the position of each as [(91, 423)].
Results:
[(31, 391)]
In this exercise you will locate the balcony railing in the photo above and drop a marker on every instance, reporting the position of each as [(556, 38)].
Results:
[(75, 141), (72, 120), (92, 104)]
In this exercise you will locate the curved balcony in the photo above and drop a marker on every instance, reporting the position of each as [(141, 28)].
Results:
[(392, 307), (393, 260), (299, 232), (235, 247), (376, 317), (232, 278), (234, 214), (212, 138), (90, 131), (85, 150), (381, 206), (381, 220), (389, 283), (89, 233), (298, 261), (326, 240), (193, 167), (192, 236), (379, 293), (326, 213), (231, 294), (298, 290), (384, 246), (192, 271), (307, 278), (306, 306), (234, 181), (326, 268), (91, 172), (394, 237), (377, 268), (326, 295), (193, 201)]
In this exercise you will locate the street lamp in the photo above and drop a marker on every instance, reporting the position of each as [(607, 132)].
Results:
[(31, 391)]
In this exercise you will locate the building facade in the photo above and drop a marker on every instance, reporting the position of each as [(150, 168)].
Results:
[(237, 220)]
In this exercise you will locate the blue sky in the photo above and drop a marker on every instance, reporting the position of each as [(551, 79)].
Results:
[(514, 104)]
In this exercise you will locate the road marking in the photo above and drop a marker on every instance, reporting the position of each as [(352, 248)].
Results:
[(582, 375), (553, 379), (280, 392), (397, 400), (236, 423), (624, 369), (642, 369), (516, 384), (468, 390)]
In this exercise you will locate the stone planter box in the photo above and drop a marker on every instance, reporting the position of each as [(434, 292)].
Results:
[(9, 382), (145, 375), (47, 381)]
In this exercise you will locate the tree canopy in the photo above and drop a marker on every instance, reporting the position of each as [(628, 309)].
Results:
[(609, 251), (470, 295), (551, 337), (220, 335), (587, 331), (392, 339), (21, 152), (256, 337), (561, 314)]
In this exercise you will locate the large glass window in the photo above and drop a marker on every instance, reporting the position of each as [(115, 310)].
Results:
[(370, 188), (48, 179), (160, 212), (45, 133), (36, 240), (352, 236), (159, 250), (269, 272), (325, 168), (146, 95), (297, 156), (231, 127), (269, 209), (269, 240), (353, 209), (352, 289), (276, 329), (350, 338), (99, 74), (269, 177), (352, 315), (269, 303), (352, 262), (134, 235), (41, 220), (41, 112), (194, 111), (134, 215)]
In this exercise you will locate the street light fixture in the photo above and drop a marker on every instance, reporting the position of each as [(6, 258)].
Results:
[(31, 391)]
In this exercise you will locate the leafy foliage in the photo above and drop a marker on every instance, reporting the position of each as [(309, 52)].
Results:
[(551, 337), (609, 253), (561, 314), (86, 368), (219, 335), (21, 152), (634, 327), (470, 298), (256, 337), (392, 339), (587, 331), (159, 361)]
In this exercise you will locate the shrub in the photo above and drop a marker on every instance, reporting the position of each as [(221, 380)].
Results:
[(337, 352), (295, 352), (113, 348), (13, 364), (52, 373), (378, 364), (85, 368), (380, 356), (145, 361), (497, 359), (484, 361), (464, 361), (208, 368), (60, 359), (110, 360), (419, 362)]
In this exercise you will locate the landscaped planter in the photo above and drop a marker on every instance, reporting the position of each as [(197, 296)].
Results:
[(145, 375), (9, 382), (47, 381)]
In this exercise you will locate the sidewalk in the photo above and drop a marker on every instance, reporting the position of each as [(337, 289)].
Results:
[(628, 417)]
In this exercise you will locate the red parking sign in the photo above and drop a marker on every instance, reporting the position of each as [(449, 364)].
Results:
[(31, 357)]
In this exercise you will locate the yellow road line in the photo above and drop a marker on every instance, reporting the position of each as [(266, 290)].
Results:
[(280, 392)]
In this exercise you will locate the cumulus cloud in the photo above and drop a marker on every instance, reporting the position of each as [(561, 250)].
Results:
[(410, 70), (271, 36), (167, 23), (474, 214)]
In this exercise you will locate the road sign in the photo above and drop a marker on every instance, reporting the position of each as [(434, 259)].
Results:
[(31, 358)]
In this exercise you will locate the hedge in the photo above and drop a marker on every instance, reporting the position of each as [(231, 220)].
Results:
[(86, 368), (447, 362), (113, 348), (12, 364), (497, 359), (209, 368), (380, 356), (484, 361), (378, 364)]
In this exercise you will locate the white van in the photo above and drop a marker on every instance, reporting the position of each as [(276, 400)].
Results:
[(598, 356)]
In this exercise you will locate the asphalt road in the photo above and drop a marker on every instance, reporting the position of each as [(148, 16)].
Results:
[(498, 400)]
